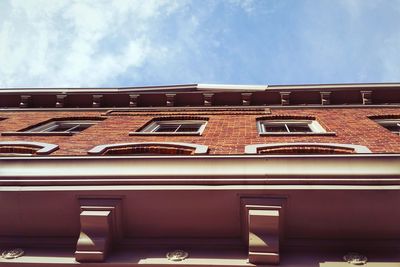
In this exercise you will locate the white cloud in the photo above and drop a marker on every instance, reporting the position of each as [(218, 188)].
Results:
[(77, 43)]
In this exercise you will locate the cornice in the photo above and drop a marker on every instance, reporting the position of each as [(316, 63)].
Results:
[(202, 95)]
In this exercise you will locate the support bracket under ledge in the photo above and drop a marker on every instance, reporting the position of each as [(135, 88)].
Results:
[(262, 228), (264, 236), (100, 228)]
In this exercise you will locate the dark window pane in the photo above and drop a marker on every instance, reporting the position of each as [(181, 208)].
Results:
[(61, 128), (299, 128), (81, 127), (275, 128), (189, 128), (69, 127), (168, 128), (393, 128)]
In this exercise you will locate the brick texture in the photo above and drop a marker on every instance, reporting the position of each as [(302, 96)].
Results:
[(226, 132)]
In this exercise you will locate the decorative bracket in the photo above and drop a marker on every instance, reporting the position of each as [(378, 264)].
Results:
[(208, 99), (366, 97), (60, 99), (285, 98), (25, 100), (325, 98), (170, 99), (100, 228), (96, 101), (246, 98), (262, 221), (133, 100)]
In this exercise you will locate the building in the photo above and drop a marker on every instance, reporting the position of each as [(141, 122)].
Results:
[(200, 175)]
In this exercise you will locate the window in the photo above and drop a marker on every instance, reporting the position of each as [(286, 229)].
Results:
[(392, 125), (289, 127), (67, 126), (175, 127)]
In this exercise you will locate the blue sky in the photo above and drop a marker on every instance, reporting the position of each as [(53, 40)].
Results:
[(89, 43)]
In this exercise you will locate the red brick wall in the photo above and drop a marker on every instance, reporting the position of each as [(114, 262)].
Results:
[(226, 133)]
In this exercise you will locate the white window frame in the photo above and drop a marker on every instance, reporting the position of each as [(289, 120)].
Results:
[(314, 126), (153, 126), (49, 127), (387, 122)]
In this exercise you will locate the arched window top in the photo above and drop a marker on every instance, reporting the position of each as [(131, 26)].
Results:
[(305, 148), (149, 148), (26, 148)]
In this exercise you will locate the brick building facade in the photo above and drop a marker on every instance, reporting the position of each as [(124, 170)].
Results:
[(206, 174)]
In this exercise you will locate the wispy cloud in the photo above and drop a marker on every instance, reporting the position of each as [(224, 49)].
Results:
[(75, 43)]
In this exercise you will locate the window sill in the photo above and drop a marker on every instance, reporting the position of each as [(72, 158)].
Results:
[(163, 134), (300, 134), (35, 134)]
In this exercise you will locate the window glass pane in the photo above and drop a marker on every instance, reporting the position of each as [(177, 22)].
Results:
[(80, 127), (299, 128), (275, 128), (393, 128), (61, 128), (189, 128), (167, 128)]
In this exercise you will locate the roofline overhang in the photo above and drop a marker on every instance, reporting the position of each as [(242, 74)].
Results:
[(364, 169), (203, 95), (197, 87)]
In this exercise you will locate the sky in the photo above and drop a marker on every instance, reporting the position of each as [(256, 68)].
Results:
[(118, 43)]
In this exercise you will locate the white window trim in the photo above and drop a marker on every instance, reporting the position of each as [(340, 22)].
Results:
[(44, 148), (314, 126), (383, 122), (198, 149), (150, 129), (253, 149)]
